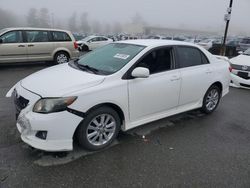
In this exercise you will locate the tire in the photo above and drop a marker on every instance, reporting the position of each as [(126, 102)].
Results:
[(211, 99), (99, 129), (61, 57), (85, 48)]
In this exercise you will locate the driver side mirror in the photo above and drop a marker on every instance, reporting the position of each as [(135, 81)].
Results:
[(240, 52), (140, 72), (1, 41)]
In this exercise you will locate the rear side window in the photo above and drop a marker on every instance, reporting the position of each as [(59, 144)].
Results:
[(12, 37), (37, 36), (60, 36), (190, 56)]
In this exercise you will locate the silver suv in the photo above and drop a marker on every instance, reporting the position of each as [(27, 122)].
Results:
[(37, 44)]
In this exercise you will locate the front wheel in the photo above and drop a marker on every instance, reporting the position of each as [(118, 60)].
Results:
[(99, 128), (211, 99)]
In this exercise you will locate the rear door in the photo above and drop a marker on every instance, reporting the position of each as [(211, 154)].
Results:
[(39, 47), (196, 73), (13, 48)]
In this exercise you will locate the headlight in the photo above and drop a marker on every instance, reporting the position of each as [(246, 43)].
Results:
[(49, 105)]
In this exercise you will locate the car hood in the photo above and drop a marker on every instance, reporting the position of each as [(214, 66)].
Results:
[(241, 60), (60, 80)]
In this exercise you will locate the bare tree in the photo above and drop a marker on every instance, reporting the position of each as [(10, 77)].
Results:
[(107, 28), (117, 28), (44, 18), (138, 19), (84, 24), (32, 18), (72, 22), (96, 27), (7, 19)]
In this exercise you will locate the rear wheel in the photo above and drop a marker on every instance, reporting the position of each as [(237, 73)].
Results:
[(99, 128), (61, 57), (211, 99), (85, 48)]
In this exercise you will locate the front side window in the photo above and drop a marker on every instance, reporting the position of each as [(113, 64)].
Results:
[(95, 39), (157, 61), (102, 39), (190, 56), (60, 36), (110, 58), (12, 37), (37, 36)]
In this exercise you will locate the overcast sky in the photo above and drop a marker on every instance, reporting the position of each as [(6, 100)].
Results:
[(193, 14)]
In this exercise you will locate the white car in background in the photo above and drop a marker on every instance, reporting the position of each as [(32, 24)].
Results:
[(207, 43), (117, 87), (240, 75), (92, 42)]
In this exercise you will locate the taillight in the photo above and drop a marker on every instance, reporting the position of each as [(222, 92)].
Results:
[(75, 45), (230, 68)]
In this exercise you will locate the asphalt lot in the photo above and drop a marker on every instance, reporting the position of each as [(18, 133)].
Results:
[(187, 150)]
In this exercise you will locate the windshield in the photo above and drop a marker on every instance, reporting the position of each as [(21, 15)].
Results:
[(247, 52), (3, 30), (110, 58)]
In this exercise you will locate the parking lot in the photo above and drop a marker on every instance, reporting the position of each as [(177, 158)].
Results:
[(187, 150)]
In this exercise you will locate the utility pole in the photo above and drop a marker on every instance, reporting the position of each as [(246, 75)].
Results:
[(227, 19)]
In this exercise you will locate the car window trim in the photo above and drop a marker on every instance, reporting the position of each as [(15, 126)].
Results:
[(12, 31), (26, 38), (53, 39), (178, 57), (127, 75)]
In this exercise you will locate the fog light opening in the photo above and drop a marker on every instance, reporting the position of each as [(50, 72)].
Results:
[(41, 134)]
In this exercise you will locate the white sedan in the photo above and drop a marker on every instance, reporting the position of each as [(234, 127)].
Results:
[(93, 42), (207, 43), (240, 75), (117, 87)]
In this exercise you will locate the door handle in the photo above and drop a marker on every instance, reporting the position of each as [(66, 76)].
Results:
[(175, 78), (21, 46), (208, 71), (31, 45)]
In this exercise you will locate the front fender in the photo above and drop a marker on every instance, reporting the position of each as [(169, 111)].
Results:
[(9, 93)]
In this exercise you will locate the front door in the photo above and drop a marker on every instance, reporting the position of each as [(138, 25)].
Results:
[(160, 91), (12, 47)]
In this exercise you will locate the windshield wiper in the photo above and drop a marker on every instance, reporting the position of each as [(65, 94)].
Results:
[(86, 67)]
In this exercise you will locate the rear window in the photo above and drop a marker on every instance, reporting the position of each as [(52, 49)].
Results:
[(60, 36)]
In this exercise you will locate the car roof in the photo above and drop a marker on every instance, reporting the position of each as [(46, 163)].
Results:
[(156, 42), (34, 28)]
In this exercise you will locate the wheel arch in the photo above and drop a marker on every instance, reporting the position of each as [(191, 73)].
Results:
[(219, 85), (115, 107), (61, 50)]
